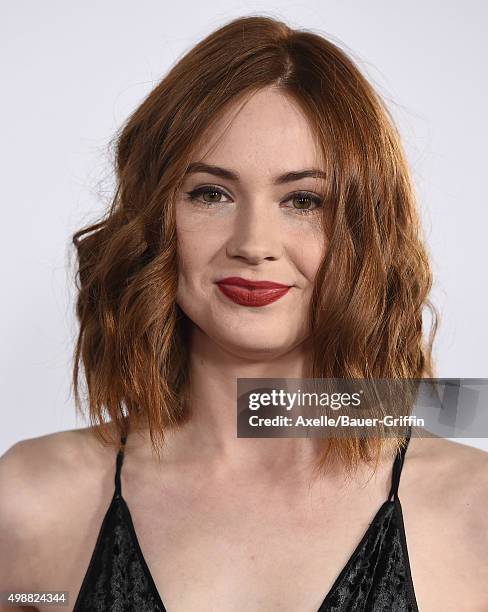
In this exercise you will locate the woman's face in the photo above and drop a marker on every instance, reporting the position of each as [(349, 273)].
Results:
[(248, 214)]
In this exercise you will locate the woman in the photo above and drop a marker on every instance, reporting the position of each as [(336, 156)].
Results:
[(265, 155)]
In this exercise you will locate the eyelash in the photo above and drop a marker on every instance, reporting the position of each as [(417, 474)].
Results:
[(193, 196)]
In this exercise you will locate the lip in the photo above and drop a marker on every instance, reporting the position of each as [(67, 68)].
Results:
[(252, 293), (238, 281)]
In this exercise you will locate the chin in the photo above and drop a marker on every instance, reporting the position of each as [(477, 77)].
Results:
[(255, 353), (254, 344)]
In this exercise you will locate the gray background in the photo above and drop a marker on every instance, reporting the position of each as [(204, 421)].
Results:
[(72, 72)]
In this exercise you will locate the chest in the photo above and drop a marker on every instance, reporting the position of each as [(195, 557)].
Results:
[(236, 551), (248, 557)]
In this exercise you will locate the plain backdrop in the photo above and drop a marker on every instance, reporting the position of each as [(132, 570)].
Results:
[(72, 73)]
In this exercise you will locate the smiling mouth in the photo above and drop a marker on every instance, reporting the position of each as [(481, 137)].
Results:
[(249, 295)]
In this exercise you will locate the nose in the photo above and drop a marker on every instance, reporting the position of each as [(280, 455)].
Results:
[(256, 234)]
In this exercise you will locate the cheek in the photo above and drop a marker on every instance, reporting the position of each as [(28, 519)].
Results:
[(307, 249), (195, 251)]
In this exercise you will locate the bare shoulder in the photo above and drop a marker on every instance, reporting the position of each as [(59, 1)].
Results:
[(449, 481), (48, 464), (42, 481), (452, 469)]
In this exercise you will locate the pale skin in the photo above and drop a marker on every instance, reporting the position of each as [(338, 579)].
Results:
[(229, 523)]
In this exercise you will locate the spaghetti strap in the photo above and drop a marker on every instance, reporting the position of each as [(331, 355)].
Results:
[(118, 577), (119, 461), (397, 467)]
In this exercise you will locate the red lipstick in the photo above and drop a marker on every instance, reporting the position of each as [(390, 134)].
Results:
[(251, 292)]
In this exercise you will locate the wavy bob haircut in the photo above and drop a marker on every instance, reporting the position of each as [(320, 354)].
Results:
[(365, 318)]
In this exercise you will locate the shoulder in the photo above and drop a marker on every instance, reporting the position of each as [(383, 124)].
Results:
[(42, 482), (43, 464), (449, 481), (448, 467)]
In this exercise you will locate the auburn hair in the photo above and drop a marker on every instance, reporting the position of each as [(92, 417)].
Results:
[(365, 318)]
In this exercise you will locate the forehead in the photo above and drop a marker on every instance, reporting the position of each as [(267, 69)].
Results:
[(266, 133)]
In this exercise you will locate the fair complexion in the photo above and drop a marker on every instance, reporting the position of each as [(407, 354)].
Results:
[(226, 523), (260, 221)]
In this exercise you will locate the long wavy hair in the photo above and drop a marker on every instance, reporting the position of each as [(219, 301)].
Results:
[(365, 318)]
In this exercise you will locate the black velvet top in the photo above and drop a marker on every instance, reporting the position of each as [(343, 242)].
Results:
[(375, 579)]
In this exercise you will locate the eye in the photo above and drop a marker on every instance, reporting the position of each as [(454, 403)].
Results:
[(306, 201), (212, 195)]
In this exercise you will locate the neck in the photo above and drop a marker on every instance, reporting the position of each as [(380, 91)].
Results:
[(210, 434), (209, 437)]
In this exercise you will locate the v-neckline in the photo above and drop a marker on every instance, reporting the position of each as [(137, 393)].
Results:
[(381, 510)]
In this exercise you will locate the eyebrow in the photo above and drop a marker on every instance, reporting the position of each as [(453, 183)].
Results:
[(288, 177)]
